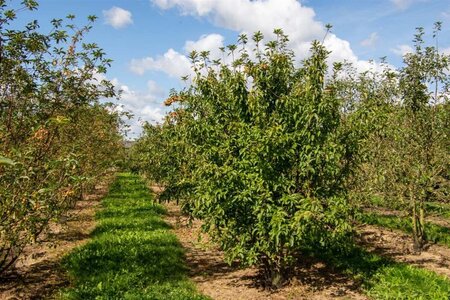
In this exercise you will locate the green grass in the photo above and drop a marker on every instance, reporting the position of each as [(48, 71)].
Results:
[(434, 233), (440, 209), (132, 254), (382, 278)]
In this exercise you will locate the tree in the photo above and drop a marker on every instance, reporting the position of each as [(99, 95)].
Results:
[(407, 144), (55, 136), (264, 156)]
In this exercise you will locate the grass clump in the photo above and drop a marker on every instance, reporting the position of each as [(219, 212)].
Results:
[(132, 254), (439, 209), (433, 232), (382, 278), (401, 281)]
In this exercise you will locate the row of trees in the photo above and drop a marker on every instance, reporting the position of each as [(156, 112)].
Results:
[(275, 156), (56, 138), (407, 163)]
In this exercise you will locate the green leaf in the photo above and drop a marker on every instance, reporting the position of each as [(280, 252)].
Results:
[(6, 161)]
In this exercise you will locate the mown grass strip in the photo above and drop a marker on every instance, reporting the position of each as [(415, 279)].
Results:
[(132, 254), (434, 233), (382, 278)]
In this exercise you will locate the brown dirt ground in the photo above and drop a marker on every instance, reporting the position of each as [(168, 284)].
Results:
[(38, 275), (313, 280), (399, 246), (220, 281)]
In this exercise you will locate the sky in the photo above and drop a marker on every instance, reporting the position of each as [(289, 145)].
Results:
[(149, 40)]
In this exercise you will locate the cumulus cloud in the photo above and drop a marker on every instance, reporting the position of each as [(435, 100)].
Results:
[(177, 64), (146, 106), (143, 102), (207, 42), (296, 20), (402, 49), (117, 17), (371, 40), (172, 63)]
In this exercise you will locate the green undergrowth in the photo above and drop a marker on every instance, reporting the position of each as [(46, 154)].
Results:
[(440, 209), (132, 254), (434, 233), (382, 278)]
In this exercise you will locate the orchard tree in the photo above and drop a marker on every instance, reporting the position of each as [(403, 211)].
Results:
[(264, 155), (407, 158), (424, 85), (55, 136)]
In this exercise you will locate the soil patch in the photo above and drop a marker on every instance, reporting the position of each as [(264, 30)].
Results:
[(37, 274), (220, 281), (399, 246)]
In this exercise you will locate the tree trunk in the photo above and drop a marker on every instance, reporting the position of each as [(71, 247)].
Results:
[(418, 221), (274, 274)]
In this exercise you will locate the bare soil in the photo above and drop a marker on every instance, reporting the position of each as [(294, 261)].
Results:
[(38, 274), (399, 246), (220, 281)]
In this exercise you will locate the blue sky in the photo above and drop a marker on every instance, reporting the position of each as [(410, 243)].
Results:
[(149, 39)]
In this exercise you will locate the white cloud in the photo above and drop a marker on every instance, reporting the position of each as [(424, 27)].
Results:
[(210, 42), (402, 4), (200, 7), (146, 106), (405, 4), (154, 89), (139, 100), (296, 20), (177, 64), (402, 49), (371, 40), (117, 17), (172, 63)]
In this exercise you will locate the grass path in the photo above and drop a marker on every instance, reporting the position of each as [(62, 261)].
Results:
[(132, 253)]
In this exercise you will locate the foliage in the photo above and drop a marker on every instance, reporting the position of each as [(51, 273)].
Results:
[(259, 150), (439, 209), (131, 255), (382, 278), (161, 156), (55, 137), (406, 147), (275, 157)]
